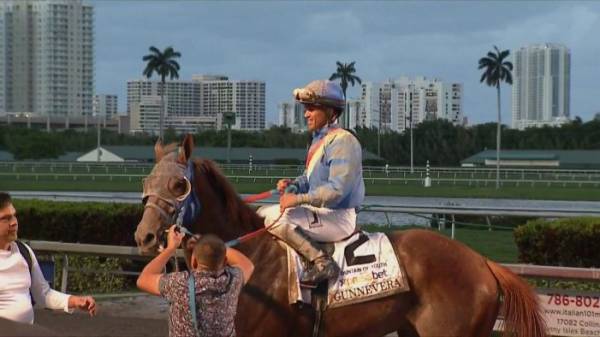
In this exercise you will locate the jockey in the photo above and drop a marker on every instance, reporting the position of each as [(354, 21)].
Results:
[(319, 205)]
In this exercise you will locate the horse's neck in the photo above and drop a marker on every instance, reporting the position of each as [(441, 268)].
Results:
[(246, 220)]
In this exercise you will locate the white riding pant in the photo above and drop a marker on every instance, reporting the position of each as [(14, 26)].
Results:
[(322, 224)]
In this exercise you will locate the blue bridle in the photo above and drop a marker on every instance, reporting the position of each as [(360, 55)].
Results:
[(189, 208)]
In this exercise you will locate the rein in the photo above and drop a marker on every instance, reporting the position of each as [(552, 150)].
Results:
[(264, 195), (259, 196), (251, 235)]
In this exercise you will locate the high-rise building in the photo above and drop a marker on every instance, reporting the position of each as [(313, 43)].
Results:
[(144, 118), (207, 95), (245, 99), (541, 85), (46, 57), (356, 113), (145, 114), (391, 105), (183, 96), (291, 115), (370, 114), (105, 106)]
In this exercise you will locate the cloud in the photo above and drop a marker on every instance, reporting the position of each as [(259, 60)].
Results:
[(287, 44)]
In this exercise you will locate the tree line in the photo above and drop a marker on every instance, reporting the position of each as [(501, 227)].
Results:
[(439, 141)]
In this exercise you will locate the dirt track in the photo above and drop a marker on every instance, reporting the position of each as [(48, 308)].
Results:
[(139, 316), (142, 316)]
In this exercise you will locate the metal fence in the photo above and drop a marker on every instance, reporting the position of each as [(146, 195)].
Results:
[(62, 249), (451, 175)]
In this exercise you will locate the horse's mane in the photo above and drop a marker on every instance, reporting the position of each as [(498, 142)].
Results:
[(239, 214)]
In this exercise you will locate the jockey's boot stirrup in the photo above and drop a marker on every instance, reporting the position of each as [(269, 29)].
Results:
[(322, 265), (323, 268)]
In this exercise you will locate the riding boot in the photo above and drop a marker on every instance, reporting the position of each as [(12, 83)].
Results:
[(322, 265)]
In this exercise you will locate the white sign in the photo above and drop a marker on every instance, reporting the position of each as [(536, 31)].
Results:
[(569, 313)]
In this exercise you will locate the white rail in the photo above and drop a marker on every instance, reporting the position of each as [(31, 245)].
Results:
[(62, 248)]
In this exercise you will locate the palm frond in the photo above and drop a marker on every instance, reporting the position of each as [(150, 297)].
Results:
[(483, 77), (344, 73), (173, 73), (162, 63), (148, 71), (155, 50), (492, 56), (173, 64), (168, 51), (508, 78)]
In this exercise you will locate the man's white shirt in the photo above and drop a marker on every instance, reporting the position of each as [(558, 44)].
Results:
[(15, 284)]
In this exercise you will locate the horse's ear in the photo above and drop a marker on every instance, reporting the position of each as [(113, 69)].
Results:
[(158, 150), (187, 146)]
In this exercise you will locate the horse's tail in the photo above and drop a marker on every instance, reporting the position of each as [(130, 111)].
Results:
[(520, 307)]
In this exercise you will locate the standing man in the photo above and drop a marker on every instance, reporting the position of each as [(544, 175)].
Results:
[(321, 205), (217, 276), (17, 284)]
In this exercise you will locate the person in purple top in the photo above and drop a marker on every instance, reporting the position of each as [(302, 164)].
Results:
[(219, 273)]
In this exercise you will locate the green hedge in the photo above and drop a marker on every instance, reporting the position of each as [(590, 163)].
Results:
[(83, 222), (569, 242)]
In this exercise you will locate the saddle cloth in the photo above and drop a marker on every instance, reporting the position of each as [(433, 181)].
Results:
[(370, 270)]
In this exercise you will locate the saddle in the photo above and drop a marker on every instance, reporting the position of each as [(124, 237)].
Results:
[(369, 270)]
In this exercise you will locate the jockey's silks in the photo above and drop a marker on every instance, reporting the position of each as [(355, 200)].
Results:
[(333, 174), (315, 152)]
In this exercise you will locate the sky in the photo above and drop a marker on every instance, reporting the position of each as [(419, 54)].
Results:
[(290, 43)]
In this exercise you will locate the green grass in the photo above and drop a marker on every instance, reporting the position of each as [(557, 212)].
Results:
[(45, 176), (246, 185), (496, 245), (522, 192)]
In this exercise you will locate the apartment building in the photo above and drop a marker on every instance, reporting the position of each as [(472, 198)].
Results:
[(541, 86), (291, 115), (46, 57), (105, 106), (393, 104), (206, 95)]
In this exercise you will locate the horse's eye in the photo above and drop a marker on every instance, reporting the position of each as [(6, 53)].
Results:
[(177, 186)]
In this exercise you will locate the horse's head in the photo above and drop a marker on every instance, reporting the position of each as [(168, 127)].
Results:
[(164, 189)]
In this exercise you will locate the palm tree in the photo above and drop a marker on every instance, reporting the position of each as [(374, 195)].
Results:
[(345, 72), (163, 64), (497, 70)]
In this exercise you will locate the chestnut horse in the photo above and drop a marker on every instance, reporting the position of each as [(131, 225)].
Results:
[(454, 291)]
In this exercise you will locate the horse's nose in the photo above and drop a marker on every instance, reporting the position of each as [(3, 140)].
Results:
[(148, 239), (144, 239)]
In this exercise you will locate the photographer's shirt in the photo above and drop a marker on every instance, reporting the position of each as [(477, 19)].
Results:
[(217, 295)]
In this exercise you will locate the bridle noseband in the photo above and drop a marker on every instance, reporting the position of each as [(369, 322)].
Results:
[(181, 210), (175, 205)]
